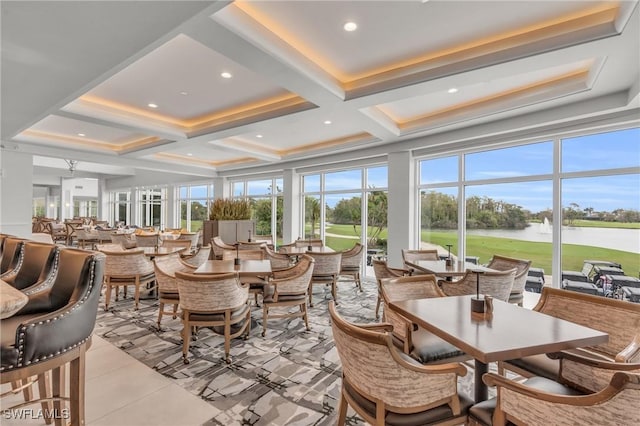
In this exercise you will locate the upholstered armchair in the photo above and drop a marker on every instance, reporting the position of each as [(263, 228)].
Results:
[(540, 401), (277, 260), (219, 301), (165, 271), (415, 255), (352, 262), (54, 328), (287, 289), (147, 240), (496, 284), (417, 342), (383, 386), (218, 246), (503, 263), (127, 268), (199, 257), (36, 268), (382, 271), (325, 271), (11, 253)]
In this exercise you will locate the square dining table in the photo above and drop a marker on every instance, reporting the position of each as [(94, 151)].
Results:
[(510, 332), (246, 269), (441, 269)]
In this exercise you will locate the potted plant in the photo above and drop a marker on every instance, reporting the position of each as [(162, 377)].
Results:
[(230, 220)]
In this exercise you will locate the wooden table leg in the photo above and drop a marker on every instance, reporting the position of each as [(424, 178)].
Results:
[(480, 390)]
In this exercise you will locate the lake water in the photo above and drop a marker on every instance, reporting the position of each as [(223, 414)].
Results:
[(612, 238)]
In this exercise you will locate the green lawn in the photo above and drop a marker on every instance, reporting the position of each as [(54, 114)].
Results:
[(602, 224)]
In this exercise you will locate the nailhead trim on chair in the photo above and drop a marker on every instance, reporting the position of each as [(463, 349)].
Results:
[(24, 327), (52, 275), (15, 270)]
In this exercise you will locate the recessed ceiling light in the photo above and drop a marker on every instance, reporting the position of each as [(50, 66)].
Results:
[(152, 105), (81, 134), (258, 136), (327, 122), (226, 75), (452, 90), (189, 154), (184, 93), (350, 26)]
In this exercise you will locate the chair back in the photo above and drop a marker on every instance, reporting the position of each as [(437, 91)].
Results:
[(277, 260), (382, 271), (125, 240), (352, 258), (497, 284), (218, 246), (369, 365), (201, 256), (297, 283), (211, 292), (165, 269), (35, 266), (415, 255), (186, 244), (109, 247), (11, 252), (243, 254), (326, 263), (253, 245), (313, 242), (193, 237), (69, 309), (127, 264), (152, 240), (503, 263)]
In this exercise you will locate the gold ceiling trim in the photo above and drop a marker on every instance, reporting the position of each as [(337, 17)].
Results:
[(187, 159), (92, 143), (588, 18), (358, 137), (474, 104), (207, 121)]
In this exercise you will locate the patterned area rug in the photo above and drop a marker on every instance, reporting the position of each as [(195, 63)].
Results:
[(289, 377)]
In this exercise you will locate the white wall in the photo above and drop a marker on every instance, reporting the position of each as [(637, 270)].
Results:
[(16, 193)]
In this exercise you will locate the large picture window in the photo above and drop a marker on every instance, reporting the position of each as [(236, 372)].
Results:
[(194, 203)]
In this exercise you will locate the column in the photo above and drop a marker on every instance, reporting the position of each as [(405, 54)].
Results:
[(401, 213), (16, 193), (291, 206)]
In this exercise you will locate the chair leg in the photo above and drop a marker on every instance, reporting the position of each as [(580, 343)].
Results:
[(58, 385), (265, 315), (136, 296), (358, 281), (311, 295), (303, 308), (378, 307), (44, 386), (175, 310), (334, 290), (107, 295), (77, 389), (118, 292), (160, 312), (342, 411), (186, 337), (227, 337), (27, 392)]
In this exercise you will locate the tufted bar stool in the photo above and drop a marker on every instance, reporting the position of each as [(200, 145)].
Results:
[(54, 329)]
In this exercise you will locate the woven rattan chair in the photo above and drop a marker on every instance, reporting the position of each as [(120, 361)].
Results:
[(165, 270), (382, 271), (496, 284), (199, 257), (219, 301), (278, 260), (415, 255), (109, 247), (417, 342), (539, 401), (186, 244), (126, 241), (502, 263), (243, 254), (84, 237), (104, 236), (218, 246), (313, 242), (127, 268), (385, 387), (351, 263), (285, 290), (325, 271), (193, 237), (253, 245)]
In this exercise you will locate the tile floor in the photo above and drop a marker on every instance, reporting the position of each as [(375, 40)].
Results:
[(122, 391)]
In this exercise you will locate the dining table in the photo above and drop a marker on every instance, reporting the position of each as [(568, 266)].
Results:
[(152, 252), (510, 332), (442, 268), (246, 268), (11, 300), (296, 251)]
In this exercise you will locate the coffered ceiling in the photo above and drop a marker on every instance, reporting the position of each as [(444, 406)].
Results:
[(208, 87)]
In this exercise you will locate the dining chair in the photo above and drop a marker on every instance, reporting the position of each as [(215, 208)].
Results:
[(288, 288), (382, 271), (52, 330), (127, 241), (11, 255), (84, 237), (213, 300), (497, 284), (126, 268), (325, 271), (383, 386), (193, 237), (199, 257), (278, 260), (185, 244), (351, 263), (243, 254), (165, 268), (540, 401), (503, 263), (414, 341), (218, 246), (36, 269), (415, 255), (71, 227), (147, 240), (313, 242)]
